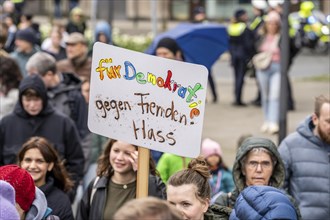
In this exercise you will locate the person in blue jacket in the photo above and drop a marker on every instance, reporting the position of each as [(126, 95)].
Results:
[(263, 202)]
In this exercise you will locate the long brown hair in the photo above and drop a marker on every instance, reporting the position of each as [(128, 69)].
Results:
[(104, 167), (61, 177)]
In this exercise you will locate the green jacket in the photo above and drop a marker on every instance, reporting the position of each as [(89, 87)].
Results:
[(169, 164), (216, 212)]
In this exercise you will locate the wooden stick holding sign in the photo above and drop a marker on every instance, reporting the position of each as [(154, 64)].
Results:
[(142, 182)]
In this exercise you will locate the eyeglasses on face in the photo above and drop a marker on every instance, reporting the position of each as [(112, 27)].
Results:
[(263, 164)]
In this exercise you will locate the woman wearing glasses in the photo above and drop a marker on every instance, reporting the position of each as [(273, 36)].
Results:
[(257, 163)]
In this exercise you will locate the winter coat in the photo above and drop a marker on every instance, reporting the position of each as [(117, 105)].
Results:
[(53, 195), (22, 58), (104, 28), (8, 102), (67, 99), (215, 212), (39, 209), (80, 66), (17, 127), (94, 209), (263, 202), (226, 181), (307, 165), (276, 180), (240, 45), (169, 164)]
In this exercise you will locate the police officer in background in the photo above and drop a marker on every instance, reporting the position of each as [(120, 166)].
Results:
[(259, 10), (241, 50)]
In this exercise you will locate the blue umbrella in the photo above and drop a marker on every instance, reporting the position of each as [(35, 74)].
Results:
[(201, 43)]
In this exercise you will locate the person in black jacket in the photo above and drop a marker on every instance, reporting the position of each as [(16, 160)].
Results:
[(115, 183), (40, 159), (64, 93), (34, 116), (241, 50)]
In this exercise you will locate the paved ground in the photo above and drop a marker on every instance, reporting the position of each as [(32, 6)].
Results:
[(225, 123)]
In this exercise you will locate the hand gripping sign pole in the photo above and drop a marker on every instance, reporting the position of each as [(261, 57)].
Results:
[(142, 182), (156, 107)]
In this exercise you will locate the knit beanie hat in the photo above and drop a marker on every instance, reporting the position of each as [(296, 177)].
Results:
[(7, 202), (210, 147), (22, 182), (170, 44), (27, 34)]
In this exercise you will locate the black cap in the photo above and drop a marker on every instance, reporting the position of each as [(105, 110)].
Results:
[(27, 34), (239, 13)]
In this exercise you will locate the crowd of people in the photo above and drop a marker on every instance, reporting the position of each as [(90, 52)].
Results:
[(47, 151)]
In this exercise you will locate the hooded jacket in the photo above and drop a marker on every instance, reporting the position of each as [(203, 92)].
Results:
[(307, 166), (276, 180), (39, 209), (54, 195), (66, 98), (17, 127), (263, 202), (103, 27)]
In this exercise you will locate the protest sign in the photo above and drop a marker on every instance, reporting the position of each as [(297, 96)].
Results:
[(148, 101)]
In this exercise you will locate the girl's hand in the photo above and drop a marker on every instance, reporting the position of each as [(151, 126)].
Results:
[(134, 160)]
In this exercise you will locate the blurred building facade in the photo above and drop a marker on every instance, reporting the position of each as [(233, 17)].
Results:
[(176, 10)]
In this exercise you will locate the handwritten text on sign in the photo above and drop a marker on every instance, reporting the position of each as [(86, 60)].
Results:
[(146, 100)]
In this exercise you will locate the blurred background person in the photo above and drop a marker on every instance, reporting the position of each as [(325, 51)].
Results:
[(10, 78), (3, 39), (77, 21), (26, 46), (241, 51), (77, 61), (199, 16), (221, 180), (270, 78), (9, 44), (102, 34), (189, 191), (41, 160), (55, 47), (147, 208), (259, 11)]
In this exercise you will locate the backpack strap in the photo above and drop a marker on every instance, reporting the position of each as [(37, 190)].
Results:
[(93, 190)]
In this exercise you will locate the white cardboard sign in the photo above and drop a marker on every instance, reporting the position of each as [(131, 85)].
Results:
[(147, 101)]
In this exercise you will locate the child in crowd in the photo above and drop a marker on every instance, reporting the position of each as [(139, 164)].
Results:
[(222, 178)]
